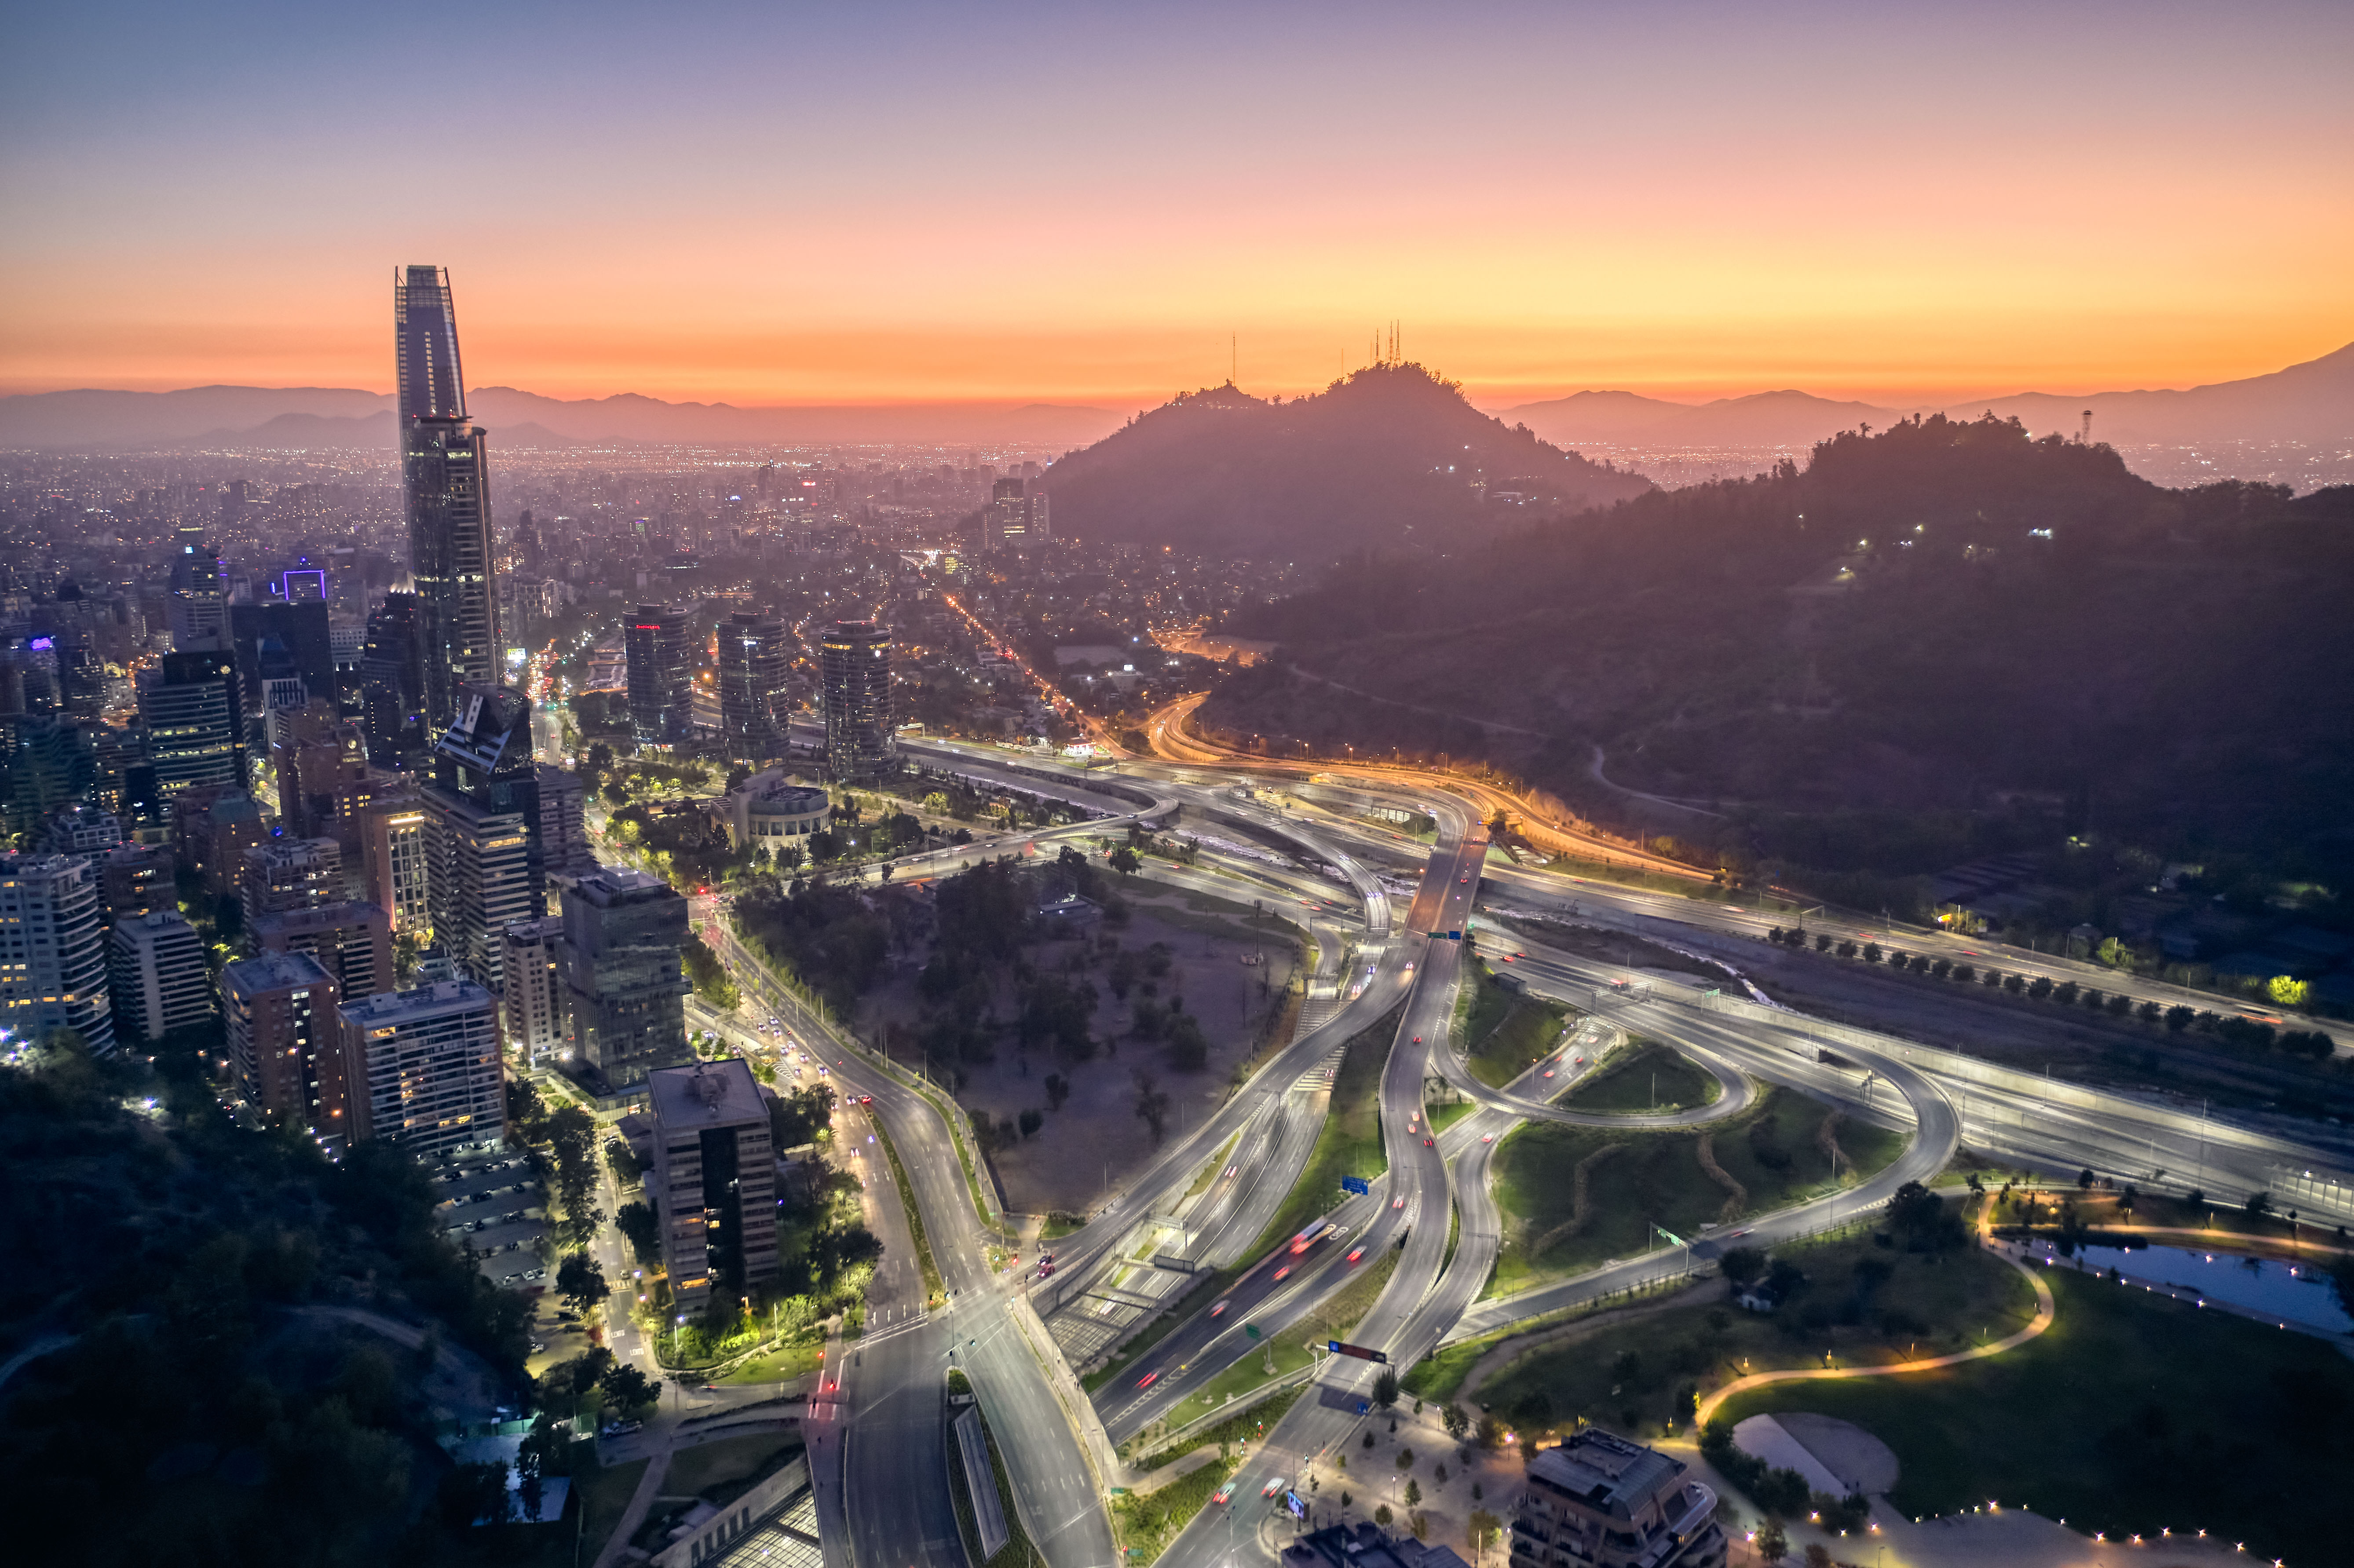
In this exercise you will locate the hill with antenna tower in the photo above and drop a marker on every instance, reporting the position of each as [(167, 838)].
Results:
[(1389, 456)]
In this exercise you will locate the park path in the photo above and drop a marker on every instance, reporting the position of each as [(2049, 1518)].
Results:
[(641, 1502), (2045, 1309)]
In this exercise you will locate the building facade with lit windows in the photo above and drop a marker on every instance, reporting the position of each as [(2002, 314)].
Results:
[(445, 486), (533, 1001), (660, 675), (755, 666), (424, 1068), (157, 974), (53, 950), (855, 677), (714, 1179), (283, 1048)]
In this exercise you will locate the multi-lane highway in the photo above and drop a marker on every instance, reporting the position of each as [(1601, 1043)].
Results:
[(885, 1437)]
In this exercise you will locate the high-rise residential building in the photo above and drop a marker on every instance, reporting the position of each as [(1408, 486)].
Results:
[(289, 874), (855, 676), (195, 722), (284, 1046), (157, 974), (563, 823), (399, 877), (323, 776), (46, 767), (445, 483), (351, 941), (392, 682), (424, 1068), (661, 674), (1600, 1499), (484, 867), (714, 1180), (533, 1006), (53, 950), (83, 830), (624, 991), (755, 665)]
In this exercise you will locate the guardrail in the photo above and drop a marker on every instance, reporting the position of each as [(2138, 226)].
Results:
[(1241, 1404)]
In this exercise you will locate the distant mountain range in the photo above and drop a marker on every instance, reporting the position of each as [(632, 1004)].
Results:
[(306, 417), (1390, 457), (2308, 402)]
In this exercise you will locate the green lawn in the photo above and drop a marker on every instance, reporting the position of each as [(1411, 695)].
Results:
[(1479, 1006), (1651, 1077), (1351, 1142), (1655, 1178), (1525, 1031), (2132, 1414), (1148, 1522), (777, 1366), (1925, 1304), (1017, 1552), (1250, 1424)]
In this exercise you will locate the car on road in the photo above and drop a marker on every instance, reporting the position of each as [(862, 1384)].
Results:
[(1465, 877), (1487, 1137), (1417, 1039), (866, 1099), (1148, 1379), (1274, 1485), (1284, 1273), (1430, 1143), (1356, 1254), (1520, 955), (1217, 1308), (1398, 1203), (1223, 1495)]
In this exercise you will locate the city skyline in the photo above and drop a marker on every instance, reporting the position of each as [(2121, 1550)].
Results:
[(1078, 208)]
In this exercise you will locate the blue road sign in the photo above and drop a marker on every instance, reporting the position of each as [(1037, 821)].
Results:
[(1454, 936), (1357, 1184)]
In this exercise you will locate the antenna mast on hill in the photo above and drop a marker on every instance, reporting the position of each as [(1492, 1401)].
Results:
[(2084, 435)]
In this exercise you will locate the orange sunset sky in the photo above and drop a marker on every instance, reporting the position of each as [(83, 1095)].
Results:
[(1081, 203)]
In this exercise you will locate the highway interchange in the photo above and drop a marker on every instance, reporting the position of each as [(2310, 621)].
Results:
[(877, 1438)]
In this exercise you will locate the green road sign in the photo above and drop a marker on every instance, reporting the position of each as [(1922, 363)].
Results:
[(1250, 1331)]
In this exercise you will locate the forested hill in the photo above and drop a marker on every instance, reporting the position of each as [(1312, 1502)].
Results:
[(1936, 617), (1390, 457)]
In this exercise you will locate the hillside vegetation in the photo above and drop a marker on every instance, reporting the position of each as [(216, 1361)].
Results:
[(1390, 456), (1933, 641)]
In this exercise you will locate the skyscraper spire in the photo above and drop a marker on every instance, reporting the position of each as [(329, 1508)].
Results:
[(445, 481)]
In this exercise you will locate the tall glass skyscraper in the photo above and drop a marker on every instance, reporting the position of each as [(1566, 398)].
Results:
[(445, 480)]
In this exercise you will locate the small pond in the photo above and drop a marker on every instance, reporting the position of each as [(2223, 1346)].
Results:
[(2287, 1291)]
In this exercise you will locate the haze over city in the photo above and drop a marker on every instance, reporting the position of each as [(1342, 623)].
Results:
[(1150, 787)]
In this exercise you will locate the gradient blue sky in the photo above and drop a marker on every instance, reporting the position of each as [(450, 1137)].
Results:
[(1081, 202)]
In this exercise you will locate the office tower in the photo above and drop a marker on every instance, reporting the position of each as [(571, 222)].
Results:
[(290, 873), (114, 754), (199, 607), (195, 723), (284, 694), (624, 992), (306, 648), (284, 1046), (445, 477), (755, 663), (52, 951), (351, 941), (399, 881), (533, 1007), (156, 970), (1013, 519), (855, 673), (47, 766), (392, 682), (136, 880), (424, 1068), (485, 871), (81, 676), (323, 778), (563, 823), (1600, 1499), (714, 1181), (661, 695)]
